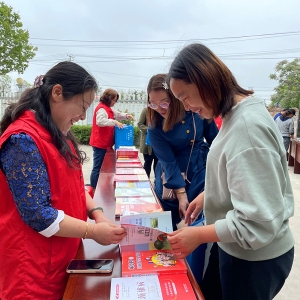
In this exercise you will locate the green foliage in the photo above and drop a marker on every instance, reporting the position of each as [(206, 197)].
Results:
[(128, 122), (82, 133), (15, 50), (137, 136), (5, 84), (287, 93)]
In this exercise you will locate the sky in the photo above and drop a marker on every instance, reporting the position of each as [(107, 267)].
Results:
[(123, 43)]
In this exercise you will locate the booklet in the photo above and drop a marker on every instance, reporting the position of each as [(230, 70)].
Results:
[(162, 287), (137, 263), (131, 178), (131, 184), (129, 171), (132, 192), (146, 231)]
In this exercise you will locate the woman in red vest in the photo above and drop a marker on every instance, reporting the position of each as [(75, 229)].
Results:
[(43, 203), (102, 135)]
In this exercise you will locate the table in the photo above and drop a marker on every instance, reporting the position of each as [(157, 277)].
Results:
[(294, 155), (90, 286)]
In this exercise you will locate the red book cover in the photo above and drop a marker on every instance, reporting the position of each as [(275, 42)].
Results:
[(176, 286), (151, 262), (129, 165), (127, 153), (129, 171), (162, 287)]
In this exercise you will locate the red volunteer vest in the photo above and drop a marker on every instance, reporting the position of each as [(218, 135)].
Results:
[(31, 265), (102, 137)]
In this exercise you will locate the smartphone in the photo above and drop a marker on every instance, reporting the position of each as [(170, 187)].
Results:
[(90, 266)]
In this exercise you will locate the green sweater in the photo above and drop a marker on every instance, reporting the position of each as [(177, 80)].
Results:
[(248, 193)]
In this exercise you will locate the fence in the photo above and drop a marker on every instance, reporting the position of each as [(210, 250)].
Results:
[(5, 100), (130, 106), (124, 105)]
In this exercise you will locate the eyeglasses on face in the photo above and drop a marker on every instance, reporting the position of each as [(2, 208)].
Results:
[(164, 105)]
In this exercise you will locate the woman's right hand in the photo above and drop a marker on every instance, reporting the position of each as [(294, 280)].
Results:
[(119, 124), (195, 207), (106, 233)]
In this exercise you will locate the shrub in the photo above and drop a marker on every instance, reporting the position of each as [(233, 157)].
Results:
[(137, 136), (82, 133)]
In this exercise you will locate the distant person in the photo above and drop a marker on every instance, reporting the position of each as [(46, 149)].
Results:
[(146, 150), (282, 113), (248, 197), (43, 203), (285, 124), (103, 130)]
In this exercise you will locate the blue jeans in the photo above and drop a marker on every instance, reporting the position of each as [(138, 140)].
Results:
[(98, 157)]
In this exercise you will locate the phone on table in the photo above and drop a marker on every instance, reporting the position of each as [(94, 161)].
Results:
[(90, 266)]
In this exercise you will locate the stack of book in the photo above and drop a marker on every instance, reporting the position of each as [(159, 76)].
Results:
[(133, 190), (149, 268)]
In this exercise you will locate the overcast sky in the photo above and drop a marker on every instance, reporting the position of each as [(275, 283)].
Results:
[(123, 43)]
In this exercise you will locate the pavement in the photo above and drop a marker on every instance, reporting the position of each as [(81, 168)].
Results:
[(291, 289)]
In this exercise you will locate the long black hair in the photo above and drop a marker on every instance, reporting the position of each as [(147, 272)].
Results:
[(74, 80)]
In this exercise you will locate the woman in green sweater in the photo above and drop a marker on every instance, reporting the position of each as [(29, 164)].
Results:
[(248, 197)]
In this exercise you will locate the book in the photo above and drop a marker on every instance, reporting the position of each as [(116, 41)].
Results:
[(133, 185), (152, 287), (133, 209), (151, 262), (131, 177), (146, 231), (129, 171), (136, 205), (126, 153), (131, 192), (128, 160), (161, 221), (128, 165)]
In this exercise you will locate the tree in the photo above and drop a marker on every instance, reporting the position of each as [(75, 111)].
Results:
[(15, 50), (5, 84), (287, 93)]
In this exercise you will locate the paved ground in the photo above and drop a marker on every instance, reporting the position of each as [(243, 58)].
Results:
[(291, 289)]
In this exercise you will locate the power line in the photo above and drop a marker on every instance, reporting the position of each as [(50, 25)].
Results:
[(174, 41)]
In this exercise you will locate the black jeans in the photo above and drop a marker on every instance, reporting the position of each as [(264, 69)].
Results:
[(148, 159), (231, 278)]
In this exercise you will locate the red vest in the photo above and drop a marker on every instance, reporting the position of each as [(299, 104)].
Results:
[(102, 137), (33, 266)]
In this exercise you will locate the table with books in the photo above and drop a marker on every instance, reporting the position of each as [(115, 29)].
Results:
[(127, 197)]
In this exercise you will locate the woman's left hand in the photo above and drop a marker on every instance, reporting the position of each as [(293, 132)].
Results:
[(184, 241), (183, 204)]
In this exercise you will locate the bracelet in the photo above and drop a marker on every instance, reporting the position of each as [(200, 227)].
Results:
[(92, 210), (180, 192), (86, 230)]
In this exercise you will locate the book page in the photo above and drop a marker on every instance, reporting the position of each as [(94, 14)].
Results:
[(136, 288)]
